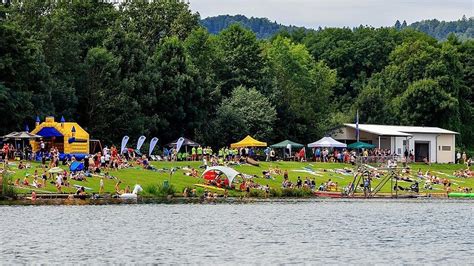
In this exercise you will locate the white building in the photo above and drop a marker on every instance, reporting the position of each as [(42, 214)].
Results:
[(434, 143)]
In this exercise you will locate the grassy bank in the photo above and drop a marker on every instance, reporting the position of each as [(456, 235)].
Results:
[(148, 178)]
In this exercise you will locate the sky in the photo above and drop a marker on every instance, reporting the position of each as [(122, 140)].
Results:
[(338, 13)]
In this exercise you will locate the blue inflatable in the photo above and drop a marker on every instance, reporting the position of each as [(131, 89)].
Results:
[(76, 166)]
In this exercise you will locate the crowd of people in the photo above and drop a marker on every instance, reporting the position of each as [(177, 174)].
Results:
[(103, 162)]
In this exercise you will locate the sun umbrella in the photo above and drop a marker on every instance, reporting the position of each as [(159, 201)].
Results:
[(55, 170)]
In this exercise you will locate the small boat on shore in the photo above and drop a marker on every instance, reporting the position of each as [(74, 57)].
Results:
[(460, 195)]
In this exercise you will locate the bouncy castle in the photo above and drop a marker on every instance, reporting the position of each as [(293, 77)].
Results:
[(67, 137)]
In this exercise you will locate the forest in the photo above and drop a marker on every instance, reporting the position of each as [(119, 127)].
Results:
[(264, 28), (151, 69)]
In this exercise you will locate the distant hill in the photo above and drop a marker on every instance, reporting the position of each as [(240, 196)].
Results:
[(264, 28), (463, 28)]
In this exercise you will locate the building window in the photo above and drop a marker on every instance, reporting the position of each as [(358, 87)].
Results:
[(446, 148)]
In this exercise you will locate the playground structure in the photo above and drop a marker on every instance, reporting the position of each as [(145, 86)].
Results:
[(391, 174), (67, 137)]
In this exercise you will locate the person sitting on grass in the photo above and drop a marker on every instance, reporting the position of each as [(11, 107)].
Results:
[(21, 165), (36, 184), (330, 185), (117, 187), (17, 182), (299, 182), (81, 191), (322, 187), (65, 181), (25, 181)]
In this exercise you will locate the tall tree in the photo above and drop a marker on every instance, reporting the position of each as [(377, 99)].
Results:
[(426, 103), (242, 61), (245, 112), (155, 20), (24, 76), (302, 89), (178, 98)]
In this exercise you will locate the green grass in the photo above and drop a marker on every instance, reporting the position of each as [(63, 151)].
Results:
[(145, 178)]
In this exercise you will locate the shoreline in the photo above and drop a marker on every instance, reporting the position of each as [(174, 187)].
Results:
[(197, 200)]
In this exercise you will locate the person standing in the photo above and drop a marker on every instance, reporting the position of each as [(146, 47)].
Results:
[(193, 153), (101, 185), (458, 157), (199, 152)]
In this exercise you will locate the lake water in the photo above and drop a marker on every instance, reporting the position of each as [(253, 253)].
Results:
[(315, 231)]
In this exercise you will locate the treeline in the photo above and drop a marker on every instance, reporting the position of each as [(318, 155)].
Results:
[(262, 27), (150, 68), (463, 28)]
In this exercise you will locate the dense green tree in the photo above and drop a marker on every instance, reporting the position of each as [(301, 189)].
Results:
[(262, 27), (24, 76), (100, 76), (302, 87), (177, 96), (466, 93), (415, 68), (372, 105), (425, 102), (243, 63), (147, 67), (245, 112), (155, 20), (463, 28)]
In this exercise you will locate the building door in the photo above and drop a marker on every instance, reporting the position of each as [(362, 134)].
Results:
[(422, 151)]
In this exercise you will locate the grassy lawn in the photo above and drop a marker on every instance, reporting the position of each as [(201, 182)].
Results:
[(179, 180)]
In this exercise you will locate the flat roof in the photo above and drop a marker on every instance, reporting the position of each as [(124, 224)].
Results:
[(400, 131)]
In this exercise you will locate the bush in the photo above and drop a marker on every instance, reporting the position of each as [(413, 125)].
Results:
[(8, 190), (296, 192), (257, 193), (275, 193), (160, 190)]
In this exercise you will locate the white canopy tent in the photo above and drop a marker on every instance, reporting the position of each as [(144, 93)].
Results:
[(327, 142), (229, 172)]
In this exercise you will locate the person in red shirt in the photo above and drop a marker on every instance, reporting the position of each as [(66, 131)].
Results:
[(113, 151), (5, 150)]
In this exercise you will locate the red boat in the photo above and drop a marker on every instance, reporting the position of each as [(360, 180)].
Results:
[(326, 194)]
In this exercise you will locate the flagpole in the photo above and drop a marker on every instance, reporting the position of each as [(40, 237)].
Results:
[(357, 126)]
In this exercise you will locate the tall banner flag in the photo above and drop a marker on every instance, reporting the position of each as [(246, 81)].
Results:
[(152, 145), (124, 144), (179, 144), (140, 142), (357, 126)]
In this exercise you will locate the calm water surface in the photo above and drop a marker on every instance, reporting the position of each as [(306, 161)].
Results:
[(333, 232)]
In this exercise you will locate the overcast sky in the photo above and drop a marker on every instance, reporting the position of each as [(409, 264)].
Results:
[(337, 13)]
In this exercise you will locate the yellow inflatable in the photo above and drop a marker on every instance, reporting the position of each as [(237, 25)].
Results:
[(67, 137)]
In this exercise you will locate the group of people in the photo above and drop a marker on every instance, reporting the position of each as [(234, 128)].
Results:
[(199, 153), (308, 183), (461, 158)]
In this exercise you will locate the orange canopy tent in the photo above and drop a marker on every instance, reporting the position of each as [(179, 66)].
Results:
[(248, 142)]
